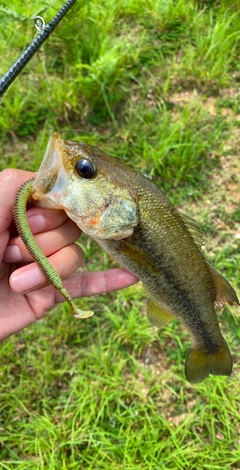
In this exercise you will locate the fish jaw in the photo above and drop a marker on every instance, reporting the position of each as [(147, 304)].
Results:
[(49, 175), (100, 207)]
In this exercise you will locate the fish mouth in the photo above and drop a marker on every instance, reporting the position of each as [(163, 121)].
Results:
[(51, 176)]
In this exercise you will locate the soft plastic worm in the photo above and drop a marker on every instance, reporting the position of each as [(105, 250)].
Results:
[(27, 237)]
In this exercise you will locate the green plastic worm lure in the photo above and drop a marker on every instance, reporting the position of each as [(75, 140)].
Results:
[(26, 235)]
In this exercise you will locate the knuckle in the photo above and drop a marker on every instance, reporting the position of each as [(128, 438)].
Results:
[(7, 176), (12, 177)]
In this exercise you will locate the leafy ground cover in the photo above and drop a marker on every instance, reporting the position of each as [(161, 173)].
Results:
[(155, 83)]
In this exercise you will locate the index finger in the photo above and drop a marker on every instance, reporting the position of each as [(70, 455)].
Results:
[(10, 182)]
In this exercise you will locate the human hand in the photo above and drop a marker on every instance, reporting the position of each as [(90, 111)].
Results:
[(24, 292)]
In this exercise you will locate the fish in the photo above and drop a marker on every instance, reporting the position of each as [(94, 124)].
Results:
[(136, 224)]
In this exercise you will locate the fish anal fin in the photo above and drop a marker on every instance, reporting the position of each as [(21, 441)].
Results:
[(199, 364), (194, 229), (223, 291), (156, 315)]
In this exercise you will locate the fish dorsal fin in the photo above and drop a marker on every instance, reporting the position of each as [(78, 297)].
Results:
[(156, 315), (193, 228), (223, 290)]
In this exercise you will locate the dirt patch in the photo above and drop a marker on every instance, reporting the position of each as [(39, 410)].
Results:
[(208, 103)]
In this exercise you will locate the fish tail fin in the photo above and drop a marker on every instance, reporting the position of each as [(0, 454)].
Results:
[(199, 363)]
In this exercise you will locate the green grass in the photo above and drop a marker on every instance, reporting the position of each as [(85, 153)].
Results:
[(154, 83)]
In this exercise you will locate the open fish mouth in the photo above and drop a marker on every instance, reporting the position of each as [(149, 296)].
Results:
[(51, 177), (99, 209)]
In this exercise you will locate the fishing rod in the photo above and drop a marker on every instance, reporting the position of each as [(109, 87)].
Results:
[(44, 32)]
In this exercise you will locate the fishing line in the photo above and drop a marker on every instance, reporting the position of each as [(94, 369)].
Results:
[(44, 32)]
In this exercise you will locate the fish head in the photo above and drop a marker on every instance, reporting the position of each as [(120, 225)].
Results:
[(93, 188)]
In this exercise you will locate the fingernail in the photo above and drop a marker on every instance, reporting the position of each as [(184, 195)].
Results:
[(12, 254), (26, 280)]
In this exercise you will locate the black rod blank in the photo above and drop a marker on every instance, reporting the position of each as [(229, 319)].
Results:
[(14, 71)]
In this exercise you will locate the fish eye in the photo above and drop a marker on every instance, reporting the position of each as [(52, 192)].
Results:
[(85, 168)]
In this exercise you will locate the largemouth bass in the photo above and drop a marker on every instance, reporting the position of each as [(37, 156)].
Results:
[(132, 220)]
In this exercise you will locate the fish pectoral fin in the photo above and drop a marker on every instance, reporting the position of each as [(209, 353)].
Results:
[(156, 315), (223, 291), (199, 363), (136, 255)]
